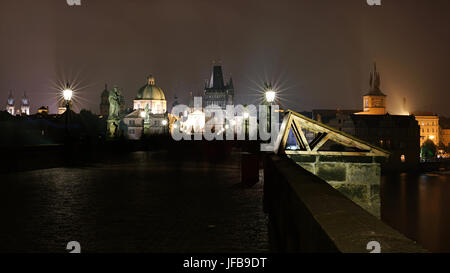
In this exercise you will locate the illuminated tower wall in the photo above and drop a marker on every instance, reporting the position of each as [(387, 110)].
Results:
[(10, 104)]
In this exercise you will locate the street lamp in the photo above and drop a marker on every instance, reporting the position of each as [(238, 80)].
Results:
[(67, 94), (270, 96)]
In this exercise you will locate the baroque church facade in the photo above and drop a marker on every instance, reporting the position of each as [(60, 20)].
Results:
[(24, 106), (149, 115)]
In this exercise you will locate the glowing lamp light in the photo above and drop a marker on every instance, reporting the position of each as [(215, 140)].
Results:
[(246, 115), (270, 96), (164, 122), (67, 94), (431, 137), (143, 114)]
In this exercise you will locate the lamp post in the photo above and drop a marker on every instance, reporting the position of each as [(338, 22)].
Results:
[(246, 117), (270, 97), (67, 94)]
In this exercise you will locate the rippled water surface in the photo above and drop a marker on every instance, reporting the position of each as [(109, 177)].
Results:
[(418, 205)]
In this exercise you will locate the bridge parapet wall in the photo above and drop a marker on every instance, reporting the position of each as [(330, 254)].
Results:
[(306, 214)]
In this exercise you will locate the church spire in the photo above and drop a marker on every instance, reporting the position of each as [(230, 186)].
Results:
[(216, 81), (25, 100), (375, 79), (230, 83), (10, 99)]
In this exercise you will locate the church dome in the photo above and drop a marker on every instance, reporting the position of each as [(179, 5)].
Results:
[(150, 91)]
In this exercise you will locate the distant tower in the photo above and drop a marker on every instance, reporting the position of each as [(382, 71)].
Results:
[(216, 91), (25, 106), (10, 104), (374, 101), (104, 103)]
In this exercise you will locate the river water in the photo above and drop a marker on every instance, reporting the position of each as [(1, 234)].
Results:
[(418, 206)]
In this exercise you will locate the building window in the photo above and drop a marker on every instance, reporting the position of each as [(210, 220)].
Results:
[(132, 122)]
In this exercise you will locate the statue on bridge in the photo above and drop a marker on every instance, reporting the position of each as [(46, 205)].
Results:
[(116, 104)]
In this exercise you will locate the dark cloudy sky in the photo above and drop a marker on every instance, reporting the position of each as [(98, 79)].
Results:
[(320, 51)]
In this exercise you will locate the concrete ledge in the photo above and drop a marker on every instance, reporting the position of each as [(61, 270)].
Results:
[(306, 214)]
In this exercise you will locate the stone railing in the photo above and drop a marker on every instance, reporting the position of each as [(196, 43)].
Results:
[(306, 214)]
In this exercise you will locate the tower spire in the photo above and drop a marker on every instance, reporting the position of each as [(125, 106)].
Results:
[(377, 80)]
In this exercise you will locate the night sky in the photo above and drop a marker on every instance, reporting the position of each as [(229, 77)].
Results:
[(319, 51)]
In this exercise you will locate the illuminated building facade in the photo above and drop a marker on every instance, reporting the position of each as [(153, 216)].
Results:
[(25, 105), (43, 110), (429, 127), (445, 137), (374, 102), (151, 96), (10, 104), (149, 116)]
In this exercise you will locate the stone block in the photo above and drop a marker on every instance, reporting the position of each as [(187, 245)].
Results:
[(363, 173), (332, 171)]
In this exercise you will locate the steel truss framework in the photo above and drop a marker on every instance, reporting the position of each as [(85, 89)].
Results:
[(297, 122)]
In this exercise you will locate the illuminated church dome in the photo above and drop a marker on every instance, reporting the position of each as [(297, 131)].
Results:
[(150, 91), (151, 96)]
